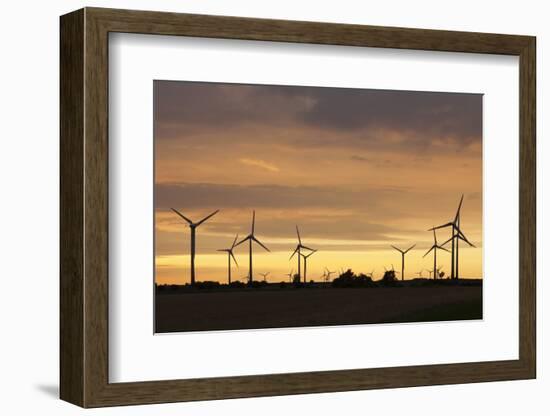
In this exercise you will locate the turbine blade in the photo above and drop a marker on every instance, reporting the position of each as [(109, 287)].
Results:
[(397, 249), (258, 241), (463, 238), (183, 216), (461, 235), (253, 220), (307, 248), (443, 248), (233, 257), (209, 216), (448, 224), (235, 240), (298, 232), (243, 240), (458, 210), (428, 252), (448, 241), (294, 252), (410, 248)]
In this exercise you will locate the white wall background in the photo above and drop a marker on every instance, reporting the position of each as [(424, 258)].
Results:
[(29, 209)]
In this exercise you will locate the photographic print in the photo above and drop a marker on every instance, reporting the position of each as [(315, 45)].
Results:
[(296, 206)]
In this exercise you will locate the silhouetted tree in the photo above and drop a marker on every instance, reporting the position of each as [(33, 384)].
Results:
[(389, 279), (350, 279)]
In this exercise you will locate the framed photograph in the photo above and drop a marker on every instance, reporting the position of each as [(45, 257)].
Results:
[(260, 207)]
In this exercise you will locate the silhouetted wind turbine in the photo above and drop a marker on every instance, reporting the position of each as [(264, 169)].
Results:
[(250, 238), (298, 250), (264, 275), (403, 259), (435, 247), (230, 256), (456, 234), (371, 274), (193, 226), (420, 273), (305, 256), (328, 273), (290, 275)]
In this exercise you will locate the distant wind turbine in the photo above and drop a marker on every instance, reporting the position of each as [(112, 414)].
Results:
[(193, 226), (420, 273), (251, 238), (328, 273), (298, 250), (306, 256), (230, 256), (264, 275), (435, 247), (456, 234), (403, 252), (371, 274), (290, 275)]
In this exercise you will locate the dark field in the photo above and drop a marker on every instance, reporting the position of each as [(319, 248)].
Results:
[(319, 306)]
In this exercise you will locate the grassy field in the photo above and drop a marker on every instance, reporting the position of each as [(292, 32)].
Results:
[(252, 309)]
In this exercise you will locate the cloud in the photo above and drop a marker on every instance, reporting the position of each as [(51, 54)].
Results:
[(416, 116), (212, 195), (260, 164)]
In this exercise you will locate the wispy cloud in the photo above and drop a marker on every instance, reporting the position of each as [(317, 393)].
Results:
[(259, 164)]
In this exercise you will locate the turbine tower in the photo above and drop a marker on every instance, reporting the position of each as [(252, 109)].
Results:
[(435, 247), (403, 259), (298, 250), (251, 238), (193, 226), (305, 256), (230, 256)]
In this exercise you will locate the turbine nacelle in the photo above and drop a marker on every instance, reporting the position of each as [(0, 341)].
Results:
[(195, 224)]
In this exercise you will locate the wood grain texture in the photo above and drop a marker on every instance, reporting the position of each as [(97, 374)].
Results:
[(71, 201), (84, 207)]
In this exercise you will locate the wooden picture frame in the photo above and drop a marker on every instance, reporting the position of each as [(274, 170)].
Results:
[(84, 207)]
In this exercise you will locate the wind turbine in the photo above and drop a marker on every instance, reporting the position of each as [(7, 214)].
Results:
[(250, 238), (420, 273), (327, 274), (403, 259), (193, 226), (264, 275), (290, 275), (298, 250), (305, 256), (371, 274), (435, 247), (456, 234), (230, 256)]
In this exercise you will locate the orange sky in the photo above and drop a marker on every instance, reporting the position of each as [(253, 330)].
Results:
[(356, 170)]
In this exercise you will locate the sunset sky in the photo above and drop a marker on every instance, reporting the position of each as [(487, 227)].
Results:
[(355, 169)]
